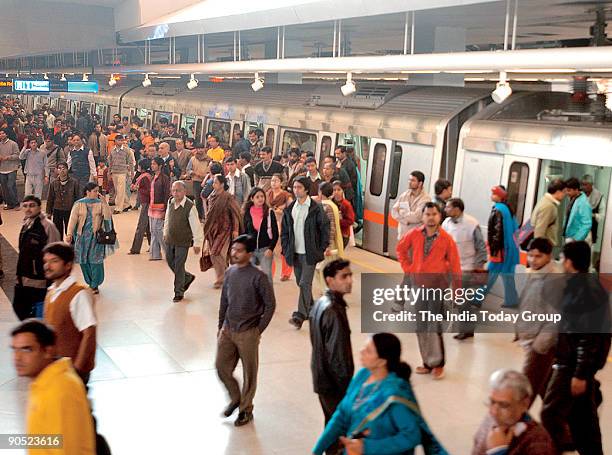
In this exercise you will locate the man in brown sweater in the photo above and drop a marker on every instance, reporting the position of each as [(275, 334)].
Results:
[(69, 309), (63, 192)]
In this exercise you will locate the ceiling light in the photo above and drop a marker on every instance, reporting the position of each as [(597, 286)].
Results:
[(147, 81), (85, 77), (349, 88), (503, 89), (63, 78), (45, 77), (193, 83), (258, 83), (112, 81)]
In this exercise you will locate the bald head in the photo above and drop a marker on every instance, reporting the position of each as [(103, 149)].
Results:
[(164, 149)]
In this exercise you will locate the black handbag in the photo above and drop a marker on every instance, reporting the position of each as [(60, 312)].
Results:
[(106, 237)]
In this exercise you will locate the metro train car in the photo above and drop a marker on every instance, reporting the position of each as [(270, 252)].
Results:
[(446, 132)]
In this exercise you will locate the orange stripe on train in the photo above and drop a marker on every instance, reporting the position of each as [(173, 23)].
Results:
[(378, 218)]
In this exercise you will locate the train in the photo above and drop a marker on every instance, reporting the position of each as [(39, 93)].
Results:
[(455, 133)]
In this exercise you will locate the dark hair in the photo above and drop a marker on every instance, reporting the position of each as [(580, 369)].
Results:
[(136, 133), (441, 185), (457, 203), (342, 148), (556, 185), (431, 205), (304, 182), (215, 137), (248, 203), (266, 149), (144, 163), (542, 244), (332, 268), (32, 198), (310, 160), (158, 160), (309, 154), (230, 159), (89, 186), (222, 180), (247, 240), (389, 347), (44, 334), (580, 255), (239, 133), (62, 250), (419, 176), (216, 168), (294, 151), (62, 163), (337, 183), (572, 183), (246, 156), (326, 189), (125, 117)]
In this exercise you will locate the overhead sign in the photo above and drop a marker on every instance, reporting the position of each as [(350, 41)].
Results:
[(30, 86), (6, 85), (82, 86)]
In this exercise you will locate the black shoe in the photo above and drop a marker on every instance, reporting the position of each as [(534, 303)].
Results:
[(177, 298), (95, 290), (244, 417), (190, 279), (295, 322), (1, 274), (133, 252), (463, 336), (128, 208), (229, 410), (111, 204)]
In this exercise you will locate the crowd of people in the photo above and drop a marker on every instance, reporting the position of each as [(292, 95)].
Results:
[(239, 208)]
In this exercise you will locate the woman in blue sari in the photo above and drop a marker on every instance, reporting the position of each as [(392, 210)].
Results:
[(379, 413), (87, 216)]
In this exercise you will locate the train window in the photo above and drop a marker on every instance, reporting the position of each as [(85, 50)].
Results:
[(270, 138), (378, 169), (517, 189), (188, 123), (198, 129), (306, 142), (235, 129), (395, 171), (253, 126), (326, 148), (160, 115), (220, 129)]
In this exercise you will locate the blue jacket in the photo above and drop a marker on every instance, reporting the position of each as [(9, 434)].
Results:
[(580, 219), (397, 431)]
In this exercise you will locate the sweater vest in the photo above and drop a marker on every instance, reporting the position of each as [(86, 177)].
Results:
[(57, 315), (80, 162), (463, 234), (179, 229)]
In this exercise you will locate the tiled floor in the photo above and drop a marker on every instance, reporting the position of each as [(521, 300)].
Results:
[(155, 390)]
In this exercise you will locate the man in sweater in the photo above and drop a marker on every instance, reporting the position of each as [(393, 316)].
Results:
[(545, 215), (119, 169), (9, 163), (55, 155), (63, 192), (81, 162), (238, 181), (35, 168), (428, 254), (348, 165), (266, 168), (69, 309), (408, 209), (246, 309), (31, 285), (182, 229)]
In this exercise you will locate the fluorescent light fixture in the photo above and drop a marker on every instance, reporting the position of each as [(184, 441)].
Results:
[(258, 83), (193, 83), (45, 77), (112, 81), (547, 70), (503, 89), (63, 78), (85, 77), (147, 81), (349, 88)]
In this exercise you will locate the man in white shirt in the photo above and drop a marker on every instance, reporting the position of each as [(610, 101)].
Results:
[(182, 229), (408, 209), (69, 309)]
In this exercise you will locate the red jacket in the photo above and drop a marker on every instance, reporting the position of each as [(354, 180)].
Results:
[(347, 216), (443, 257)]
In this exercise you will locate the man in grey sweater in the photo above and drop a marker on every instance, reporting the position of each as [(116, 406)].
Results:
[(247, 306), (9, 163), (119, 169), (35, 168)]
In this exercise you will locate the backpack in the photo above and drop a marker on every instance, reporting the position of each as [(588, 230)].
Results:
[(525, 234)]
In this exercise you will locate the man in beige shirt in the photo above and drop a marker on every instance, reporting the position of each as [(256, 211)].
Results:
[(408, 209)]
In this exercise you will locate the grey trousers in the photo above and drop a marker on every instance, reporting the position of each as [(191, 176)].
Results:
[(157, 237), (429, 335), (243, 346), (304, 274), (176, 256)]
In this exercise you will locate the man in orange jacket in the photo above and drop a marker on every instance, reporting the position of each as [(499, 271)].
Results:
[(430, 260)]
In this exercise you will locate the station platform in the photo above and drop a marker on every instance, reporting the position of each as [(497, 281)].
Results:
[(155, 389)]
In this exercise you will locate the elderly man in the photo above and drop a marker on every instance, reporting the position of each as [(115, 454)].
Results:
[(597, 201), (508, 429)]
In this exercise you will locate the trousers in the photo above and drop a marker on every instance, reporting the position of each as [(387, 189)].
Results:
[(197, 189), (219, 262), (243, 346), (60, 219), (304, 274), (265, 263), (329, 403), (142, 229), (429, 334), (93, 274), (538, 368), (156, 225), (8, 182), (34, 185), (119, 184), (176, 256)]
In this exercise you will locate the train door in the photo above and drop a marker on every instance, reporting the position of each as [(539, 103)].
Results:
[(325, 147), (221, 129), (236, 127), (406, 158), (199, 128), (176, 118), (520, 177), (188, 123), (270, 137), (376, 201)]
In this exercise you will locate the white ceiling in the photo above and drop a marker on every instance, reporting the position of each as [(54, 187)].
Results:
[(109, 3)]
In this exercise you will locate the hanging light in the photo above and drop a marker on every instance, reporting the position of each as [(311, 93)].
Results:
[(502, 90), (349, 88), (258, 83), (112, 81), (147, 81), (85, 77), (45, 77), (193, 83), (63, 78)]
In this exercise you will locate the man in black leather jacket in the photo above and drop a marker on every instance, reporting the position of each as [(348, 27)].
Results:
[(332, 357), (569, 412)]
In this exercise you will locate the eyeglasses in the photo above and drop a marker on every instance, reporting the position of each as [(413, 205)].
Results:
[(503, 405)]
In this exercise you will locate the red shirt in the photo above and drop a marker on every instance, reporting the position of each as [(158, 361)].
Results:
[(347, 217)]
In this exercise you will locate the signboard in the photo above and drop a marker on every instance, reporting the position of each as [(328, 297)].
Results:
[(30, 86), (6, 85), (82, 86)]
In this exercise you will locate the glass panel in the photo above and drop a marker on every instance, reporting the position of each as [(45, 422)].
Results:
[(198, 129), (235, 129), (517, 189), (362, 35), (309, 40), (258, 44), (221, 130), (378, 169), (326, 148), (186, 49), (188, 123), (270, 138), (159, 115), (395, 171), (219, 47), (306, 142)]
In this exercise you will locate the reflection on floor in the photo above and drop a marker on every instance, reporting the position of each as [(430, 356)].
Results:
[(155, 390)]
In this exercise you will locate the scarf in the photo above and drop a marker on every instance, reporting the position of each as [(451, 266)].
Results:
[(339, 241), (219, 205), (257, 214)]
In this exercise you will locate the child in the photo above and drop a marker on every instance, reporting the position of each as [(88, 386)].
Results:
[(102, 177)]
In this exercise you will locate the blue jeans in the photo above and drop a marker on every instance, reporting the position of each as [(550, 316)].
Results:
[(156, 226), (510, 294), (265, 263), (9, 188)]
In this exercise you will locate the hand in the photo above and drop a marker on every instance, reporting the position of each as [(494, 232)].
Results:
[(268, 253), (234, 234), (68, 238), (196, 249), (499, 436), (578, 386), (46, 180), (327, 252), (353, 446)]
